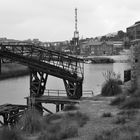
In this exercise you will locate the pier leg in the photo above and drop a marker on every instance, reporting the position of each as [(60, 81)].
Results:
[(57, 107), (37, 86), (62, 106), (73, 89), (0, 66)]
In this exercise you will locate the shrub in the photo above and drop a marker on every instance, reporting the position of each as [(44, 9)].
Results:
[(112, 83), (10, 134), (111, 88), (30, 122), (118, 100), (108, 114)]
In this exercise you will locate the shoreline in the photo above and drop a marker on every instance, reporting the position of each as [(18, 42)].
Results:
[(14, 74), (13, 70)]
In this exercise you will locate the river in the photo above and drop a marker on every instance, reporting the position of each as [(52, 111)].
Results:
[(14, 90)]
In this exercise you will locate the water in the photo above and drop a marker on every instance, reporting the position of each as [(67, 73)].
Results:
[(14, 90)]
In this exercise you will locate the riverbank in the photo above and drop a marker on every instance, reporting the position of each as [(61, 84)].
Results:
[(13, 70), (107, 122), (112, 58)]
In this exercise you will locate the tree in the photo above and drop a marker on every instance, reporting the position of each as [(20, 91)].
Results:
[(121, 34)]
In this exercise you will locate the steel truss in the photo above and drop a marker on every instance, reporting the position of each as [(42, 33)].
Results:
[(43, 62)]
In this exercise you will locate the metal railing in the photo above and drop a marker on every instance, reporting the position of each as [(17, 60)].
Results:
[(57, 92)]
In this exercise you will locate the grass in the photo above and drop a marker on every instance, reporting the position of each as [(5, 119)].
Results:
[(52, 127), (120, 120), (123, 133), (79, 117), (131, 103), (10, 134), (107, 114), (30, 122), (118, 100), (128, 113)]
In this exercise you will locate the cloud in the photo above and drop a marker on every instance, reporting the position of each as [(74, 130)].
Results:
[(54, 19)]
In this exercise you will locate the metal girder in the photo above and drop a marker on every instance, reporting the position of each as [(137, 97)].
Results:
[(73, 89), (42, 62), (37, 83), (37, 86)]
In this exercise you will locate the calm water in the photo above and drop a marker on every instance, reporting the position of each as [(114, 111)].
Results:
[(14, 90)]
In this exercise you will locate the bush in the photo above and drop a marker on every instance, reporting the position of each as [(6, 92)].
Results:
[(111, 88), (112, 83), (118, 100)]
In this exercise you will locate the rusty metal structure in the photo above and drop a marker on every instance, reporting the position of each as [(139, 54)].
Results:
[(43, 62)]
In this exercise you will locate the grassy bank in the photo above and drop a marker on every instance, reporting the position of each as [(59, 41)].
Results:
[(32, 126), (13, 70)]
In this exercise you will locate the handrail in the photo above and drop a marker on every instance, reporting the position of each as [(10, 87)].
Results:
[(58, 92)]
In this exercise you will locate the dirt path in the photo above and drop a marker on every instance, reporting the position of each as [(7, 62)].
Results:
[(94, 109)]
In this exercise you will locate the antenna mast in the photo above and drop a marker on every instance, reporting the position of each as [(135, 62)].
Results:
[(76, 33)]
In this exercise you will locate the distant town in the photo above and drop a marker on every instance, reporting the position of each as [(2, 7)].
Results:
[(110, 44)]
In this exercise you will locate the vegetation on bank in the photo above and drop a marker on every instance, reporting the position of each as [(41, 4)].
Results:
[(13, 70), (48, 127), (112, 84), (99, 60)]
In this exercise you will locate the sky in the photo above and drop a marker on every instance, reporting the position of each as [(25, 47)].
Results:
[(53, 20)]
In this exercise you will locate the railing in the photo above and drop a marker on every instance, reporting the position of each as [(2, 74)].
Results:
[(53, 92)]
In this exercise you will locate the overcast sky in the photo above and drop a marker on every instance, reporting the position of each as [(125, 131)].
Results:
[(53, 20)]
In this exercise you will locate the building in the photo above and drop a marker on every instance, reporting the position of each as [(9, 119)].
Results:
[(134, 36), (133, 31), (101, 48)]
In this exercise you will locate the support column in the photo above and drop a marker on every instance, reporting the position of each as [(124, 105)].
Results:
[(0, 66), (73, 89), (37, 86), (57, 107)]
